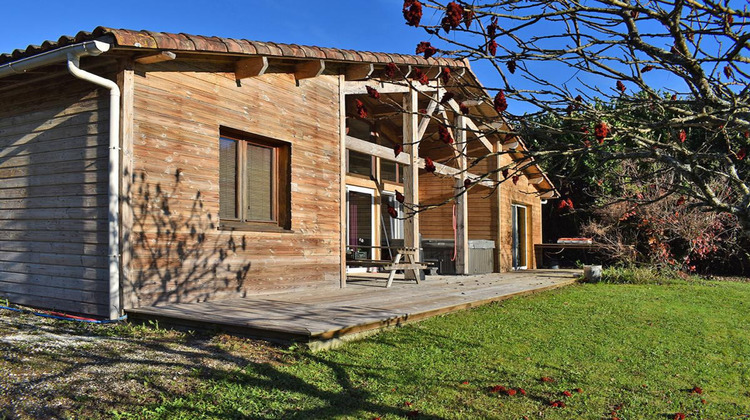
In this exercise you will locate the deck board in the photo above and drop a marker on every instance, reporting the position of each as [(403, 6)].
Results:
[(364, 305)]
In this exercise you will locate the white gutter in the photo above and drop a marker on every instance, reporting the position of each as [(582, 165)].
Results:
[(72, 54)]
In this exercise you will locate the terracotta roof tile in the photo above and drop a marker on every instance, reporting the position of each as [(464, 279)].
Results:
[(126, 38), (247, 47), (166, 41), (275, 49), (261, 47), (287, 50), (233, 46), (314, 52)]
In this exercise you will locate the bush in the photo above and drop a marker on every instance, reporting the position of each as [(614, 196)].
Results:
[(643, 275)]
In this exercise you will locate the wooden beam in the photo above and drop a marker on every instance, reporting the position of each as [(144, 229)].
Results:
[(481, 136), (433, 72), (250, 67), (359, 71), (511, 145), (548, 194), (309, 69), (498, 234), (126, 82), (411, 175), (430, 110), (383, 152), (462, 200), (156, 58), (359, 87), (372, 149), (536, 180), (342, 182), (446, 122), (407, 73), (446, 170)]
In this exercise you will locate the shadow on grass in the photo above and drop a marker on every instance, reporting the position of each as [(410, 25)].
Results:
[(53, 374)]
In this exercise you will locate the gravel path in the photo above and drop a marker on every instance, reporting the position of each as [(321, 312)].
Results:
[(61, 369)]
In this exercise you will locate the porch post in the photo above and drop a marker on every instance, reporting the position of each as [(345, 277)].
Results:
[(499, 205), (342, 180), (411, 177), (462, 200)]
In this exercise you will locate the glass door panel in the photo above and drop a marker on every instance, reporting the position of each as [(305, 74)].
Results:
[(359, 219), (518, 220)]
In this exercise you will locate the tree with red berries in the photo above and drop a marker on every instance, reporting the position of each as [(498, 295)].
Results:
[(661, 83)]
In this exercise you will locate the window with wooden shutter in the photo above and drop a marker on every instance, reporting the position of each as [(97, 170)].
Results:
[(254, 182), (228, 179)]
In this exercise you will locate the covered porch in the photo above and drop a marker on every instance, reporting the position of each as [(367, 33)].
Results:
[(428, 162), (325, 317)]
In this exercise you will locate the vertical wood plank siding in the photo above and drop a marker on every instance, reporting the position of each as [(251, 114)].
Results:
[(179, 254), (53, 195), (437, 223)]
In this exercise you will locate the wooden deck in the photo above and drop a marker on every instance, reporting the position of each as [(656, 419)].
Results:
[(365, 305)]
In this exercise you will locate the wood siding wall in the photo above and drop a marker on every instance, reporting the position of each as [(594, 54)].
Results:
[(179, 255), (483, 222), (53, 195), (523, 193)]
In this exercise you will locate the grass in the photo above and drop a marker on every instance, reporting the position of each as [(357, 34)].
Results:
[(633, 349), (638, 347)]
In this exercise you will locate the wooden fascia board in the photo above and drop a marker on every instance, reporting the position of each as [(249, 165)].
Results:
[(309, 69), (250, 67)]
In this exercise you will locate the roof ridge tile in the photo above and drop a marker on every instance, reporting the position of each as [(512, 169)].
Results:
[(128, 38)]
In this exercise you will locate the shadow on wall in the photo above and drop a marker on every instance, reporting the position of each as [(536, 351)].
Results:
[(53, 202), (178, 254)]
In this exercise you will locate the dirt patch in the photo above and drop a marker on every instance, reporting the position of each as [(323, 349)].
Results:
[(59, 369)]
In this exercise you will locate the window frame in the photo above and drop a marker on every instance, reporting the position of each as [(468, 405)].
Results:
[(280, 200)]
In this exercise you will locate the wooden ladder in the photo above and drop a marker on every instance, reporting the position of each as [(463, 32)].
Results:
[(411, 264)]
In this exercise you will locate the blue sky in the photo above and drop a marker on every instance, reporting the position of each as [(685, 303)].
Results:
[(375, 25)]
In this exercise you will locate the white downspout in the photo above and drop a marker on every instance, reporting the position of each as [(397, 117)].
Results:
[(113, 250), (73, 53)]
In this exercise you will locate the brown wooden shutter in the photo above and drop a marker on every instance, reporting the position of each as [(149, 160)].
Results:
[(260, 183), (228, 179)]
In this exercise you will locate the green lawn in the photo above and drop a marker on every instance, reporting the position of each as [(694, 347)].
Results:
[(639, 349)]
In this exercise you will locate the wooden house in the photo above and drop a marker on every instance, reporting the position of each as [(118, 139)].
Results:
[(139, 168)]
